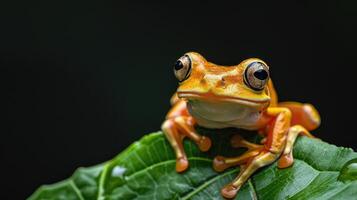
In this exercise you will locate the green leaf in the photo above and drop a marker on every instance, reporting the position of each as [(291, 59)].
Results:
[(146, 170)]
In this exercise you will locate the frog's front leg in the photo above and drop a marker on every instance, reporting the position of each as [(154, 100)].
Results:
[(176, 127), (273, 148)]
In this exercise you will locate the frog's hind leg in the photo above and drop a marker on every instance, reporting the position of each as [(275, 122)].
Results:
[(286, 159), (303, 114)]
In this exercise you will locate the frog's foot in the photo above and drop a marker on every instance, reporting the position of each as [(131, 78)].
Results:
[(175, 130), (263, 158), (286, 159), (221, 163), (238, 141)]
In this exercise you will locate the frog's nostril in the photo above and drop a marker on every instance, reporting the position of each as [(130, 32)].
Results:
[(261, 74)]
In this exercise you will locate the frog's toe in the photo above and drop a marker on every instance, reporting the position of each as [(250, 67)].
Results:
[(229, 191), (204, 143), (219, 164), (238, 141), (286, 160), (181, 164)]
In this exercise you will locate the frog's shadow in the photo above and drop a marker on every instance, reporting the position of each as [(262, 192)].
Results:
[(221, 141)]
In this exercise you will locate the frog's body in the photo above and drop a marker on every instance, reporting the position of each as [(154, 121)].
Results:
[(240, 96)]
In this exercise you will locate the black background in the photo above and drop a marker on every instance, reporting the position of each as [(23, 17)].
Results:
[(83, 80)]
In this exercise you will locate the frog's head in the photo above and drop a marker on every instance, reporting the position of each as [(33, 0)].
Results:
[(244, 84)]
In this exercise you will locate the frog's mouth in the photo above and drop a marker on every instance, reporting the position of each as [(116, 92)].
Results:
[(216, 98)]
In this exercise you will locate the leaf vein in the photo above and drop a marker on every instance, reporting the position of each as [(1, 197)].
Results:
[(207, 183), (252, 192), (76, 190)]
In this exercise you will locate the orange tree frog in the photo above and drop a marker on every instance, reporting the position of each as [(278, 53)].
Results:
[(240, 96)]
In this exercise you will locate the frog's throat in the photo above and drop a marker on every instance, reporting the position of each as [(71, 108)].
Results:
[(224, 115)]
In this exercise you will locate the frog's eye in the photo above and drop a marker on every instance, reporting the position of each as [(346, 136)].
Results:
[(256, 75), (182, 68)]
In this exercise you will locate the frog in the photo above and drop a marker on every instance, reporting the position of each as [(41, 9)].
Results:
[(236, 96)]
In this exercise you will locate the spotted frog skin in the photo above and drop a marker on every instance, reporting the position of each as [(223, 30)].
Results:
[(240, 96)]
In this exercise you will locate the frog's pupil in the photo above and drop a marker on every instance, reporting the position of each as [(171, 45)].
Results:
[(178, 65), (261, 74)]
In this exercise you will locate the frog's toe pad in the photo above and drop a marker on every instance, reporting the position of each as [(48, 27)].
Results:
[(181, 164), (219, 164), (285, 161), (229, 191), (204, 144)]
